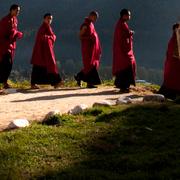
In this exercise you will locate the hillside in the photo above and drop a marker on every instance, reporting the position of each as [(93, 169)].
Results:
[(151, 21)]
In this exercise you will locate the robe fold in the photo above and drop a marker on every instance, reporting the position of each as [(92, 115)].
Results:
[(8, 36), (90, 47), (123, 55), (172, 67), (43, 52)]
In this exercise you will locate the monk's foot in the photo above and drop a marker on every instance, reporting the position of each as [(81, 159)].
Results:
[(91, 86), (2, 92), (34, 86), (116, 86), (59, 85), (6, 86), (125, 90), (77, 80)]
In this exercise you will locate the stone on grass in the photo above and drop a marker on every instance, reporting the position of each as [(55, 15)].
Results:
[(123, 100), (154, 98), (18, 123), (78, 109), (51, 114), (52, 118), (103, 103)]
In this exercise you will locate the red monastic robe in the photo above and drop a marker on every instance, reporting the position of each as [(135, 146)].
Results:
[(172, 67), (123, 55), (8, 35), (43, 52), (90, 47)]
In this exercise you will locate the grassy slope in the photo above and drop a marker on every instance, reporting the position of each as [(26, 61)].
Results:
[(122, 142)]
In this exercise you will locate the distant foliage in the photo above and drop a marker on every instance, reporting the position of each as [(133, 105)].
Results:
[(70, 67), (150, 75)]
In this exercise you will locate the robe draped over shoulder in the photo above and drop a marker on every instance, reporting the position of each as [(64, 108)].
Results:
[(90, 47), (172, 67), (123, 55), (43, 51), (8, 35)]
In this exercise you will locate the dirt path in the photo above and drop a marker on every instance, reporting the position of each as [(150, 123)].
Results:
[(35, 104)]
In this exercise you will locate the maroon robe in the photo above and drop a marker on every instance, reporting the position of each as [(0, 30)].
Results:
[(123, 55), (43, 52), (172, 67), (8, 35), (90, 47)]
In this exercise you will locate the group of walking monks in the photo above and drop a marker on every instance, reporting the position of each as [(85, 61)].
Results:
[(44, 65)]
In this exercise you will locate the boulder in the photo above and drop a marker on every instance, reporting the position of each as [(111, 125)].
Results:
[(78, 109), (123, 100), (18, 123), (154, 98), (52, 118), (51, 114), (103, 103)]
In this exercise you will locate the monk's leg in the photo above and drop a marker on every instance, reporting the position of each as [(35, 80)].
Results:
[(168, 93), (79, 77), (124, 79), (55, 80), (5, 70), (37, 76), (92, 78)]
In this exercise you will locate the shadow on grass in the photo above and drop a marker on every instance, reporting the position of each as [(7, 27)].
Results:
[(139, 142)]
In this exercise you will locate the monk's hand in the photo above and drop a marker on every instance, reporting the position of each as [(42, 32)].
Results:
[(95, 64), (132, 32), (19, 35)]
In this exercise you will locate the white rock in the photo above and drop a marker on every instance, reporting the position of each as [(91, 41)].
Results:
[(52, 113), (18, 123), (78, 109), (104, 103), (154, 98), (124, 100)]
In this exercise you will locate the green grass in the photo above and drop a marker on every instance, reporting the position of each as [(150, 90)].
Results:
[(151, 87), (71, 83), (120, 142), (26, 84), (20, 85)]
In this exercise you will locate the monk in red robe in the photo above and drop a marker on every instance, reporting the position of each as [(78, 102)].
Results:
[(91, 52), (45, 70), (124, 64), (8, 36), (171, 84)]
